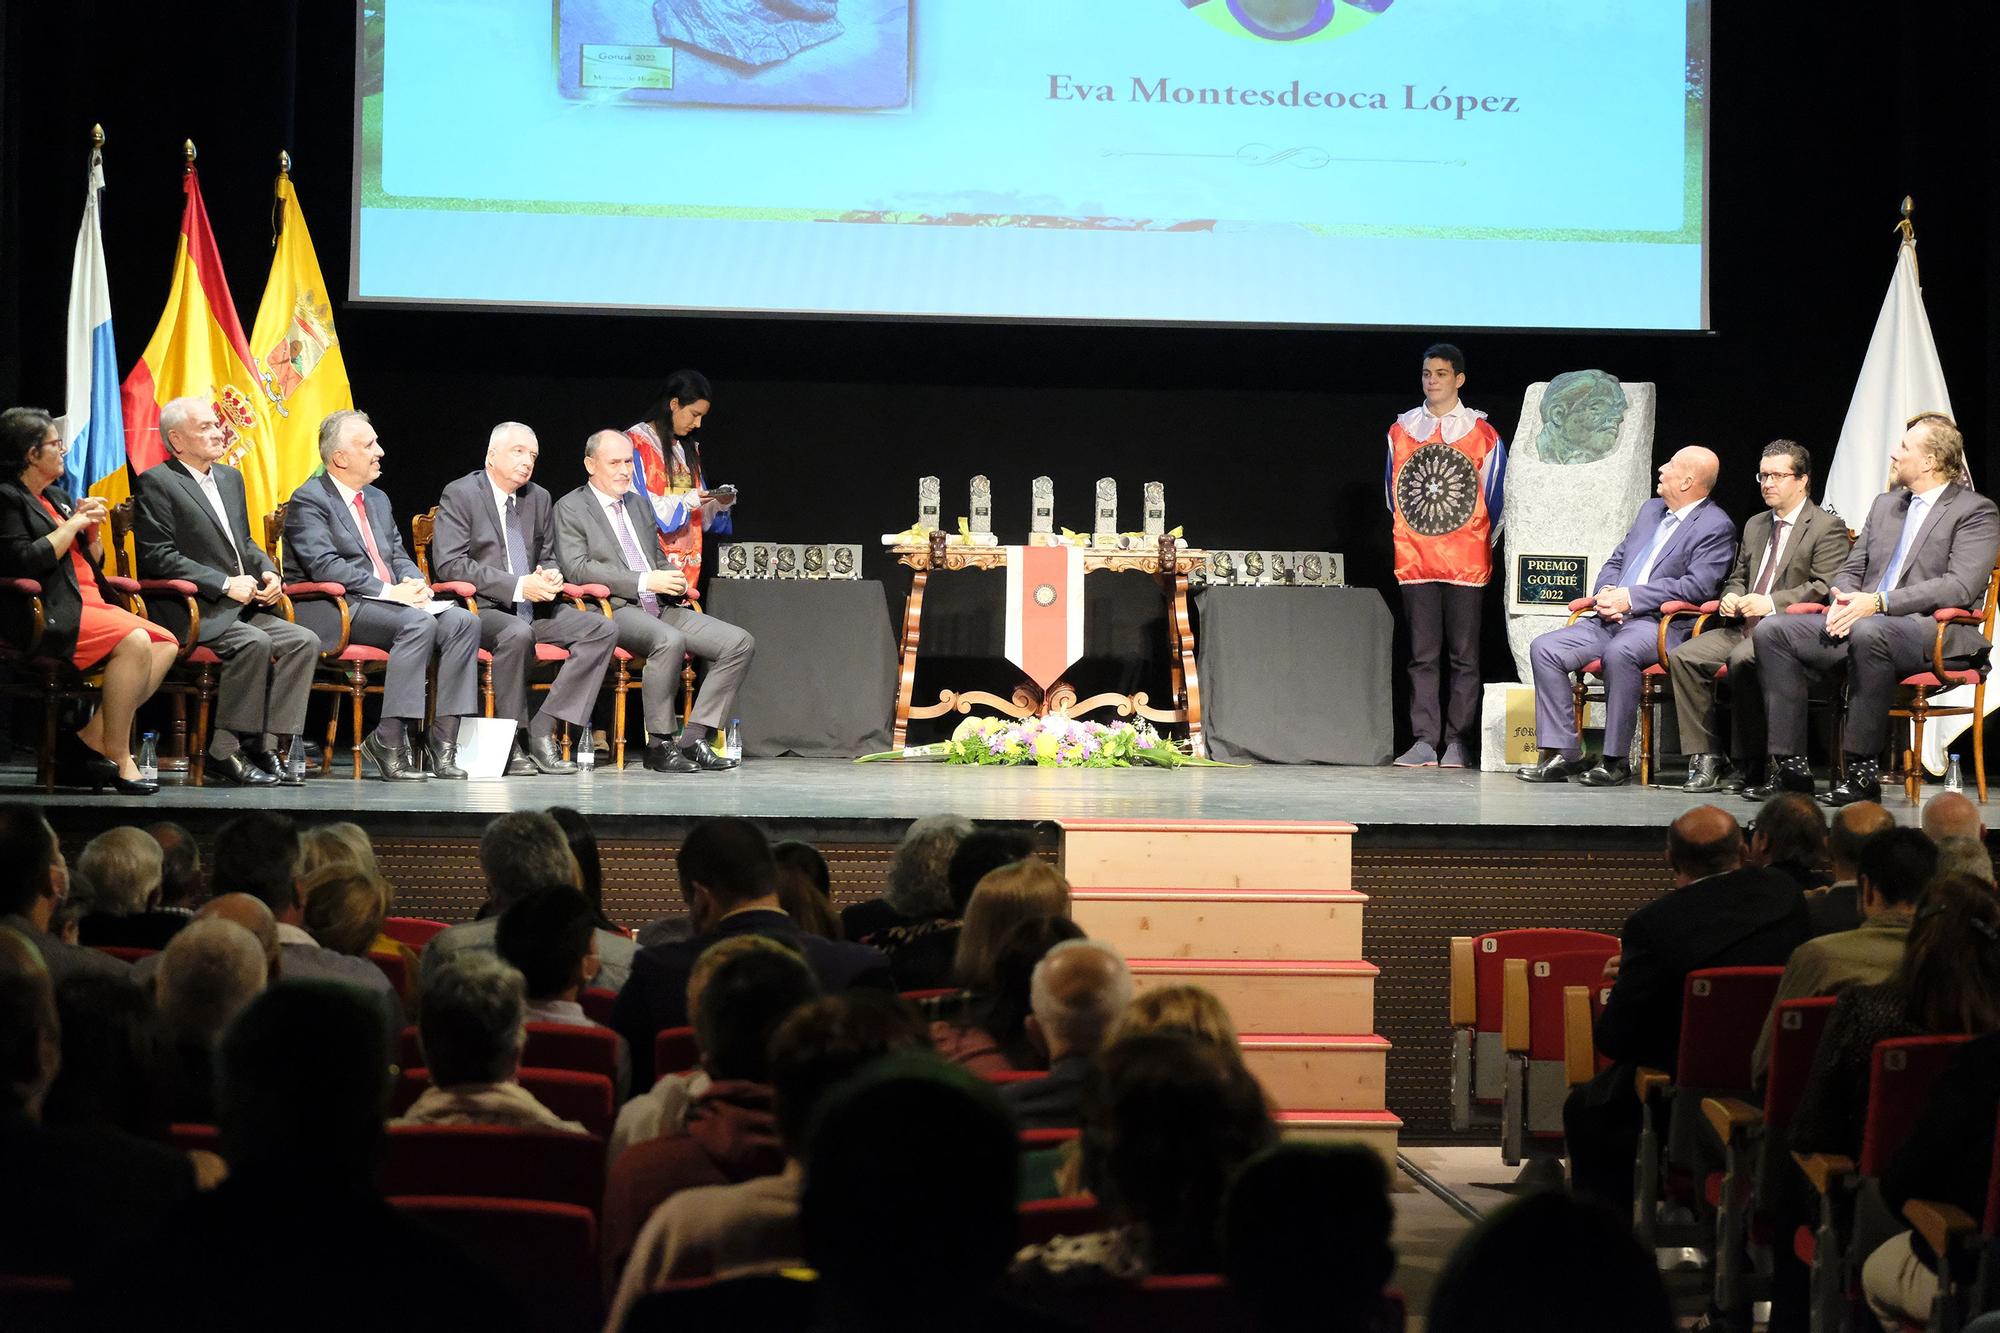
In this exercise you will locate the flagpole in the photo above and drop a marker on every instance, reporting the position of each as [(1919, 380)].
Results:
[(1909, 231), (187, 149), (278, 196)]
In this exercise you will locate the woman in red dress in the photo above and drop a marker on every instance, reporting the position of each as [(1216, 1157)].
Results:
[(46, 538)]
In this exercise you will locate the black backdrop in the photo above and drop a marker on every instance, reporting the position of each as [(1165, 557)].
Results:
[(1823, 118)]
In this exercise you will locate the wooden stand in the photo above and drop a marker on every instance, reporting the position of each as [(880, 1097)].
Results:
[(1168, 565)]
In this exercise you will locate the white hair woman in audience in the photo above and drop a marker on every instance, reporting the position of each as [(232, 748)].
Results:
[(473, 1026), (209, 973)]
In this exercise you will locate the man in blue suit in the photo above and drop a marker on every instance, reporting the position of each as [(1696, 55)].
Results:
[(1677, 550)]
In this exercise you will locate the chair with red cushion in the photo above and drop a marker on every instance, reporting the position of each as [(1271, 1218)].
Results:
[(999, 1076), (412, 931), (674, 1050), (584, 1098), (1072, 1215), (1184, 1302), (1966, 1276), (568, 1046), (492, 1161), (1478, 970), (394, 968), (188, 1136), (50, 682), (597, 1004), (1587, 682), (1534, 1039), (124, 953), (197, 671), (545, 1254), (1942, 676)]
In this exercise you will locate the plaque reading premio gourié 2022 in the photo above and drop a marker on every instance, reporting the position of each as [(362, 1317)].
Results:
[(1549, 580)]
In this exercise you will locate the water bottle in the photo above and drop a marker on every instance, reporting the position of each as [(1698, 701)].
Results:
[(732, 740), (298, 756), (1953, 779), (149, 757), (586, 751)]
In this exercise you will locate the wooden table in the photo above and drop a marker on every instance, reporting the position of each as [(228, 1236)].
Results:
[(1168, 565)]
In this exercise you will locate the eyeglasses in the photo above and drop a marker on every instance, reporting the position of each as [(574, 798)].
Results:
[(59, 446), (1766, 478)]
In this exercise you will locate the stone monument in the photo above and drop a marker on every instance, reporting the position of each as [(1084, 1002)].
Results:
[(1041, 511), (1104, 528), (1580, 467), (928, 499)]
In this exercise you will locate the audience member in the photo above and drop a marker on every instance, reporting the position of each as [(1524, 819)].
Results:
[(75, 1195), (1838, 906), (1720, 913), (731, 1132), (471, 1025), (182, 888), (991, 1034), (520, 853), (1078, 990), (1551, 1263), (344, 910), (1952, 814), (590, 865), (1789, 836), (1167, 1123), (979, 853), (922, 942), (722, 1230), (1192, 1011), (1002, 900), (1895, 866), (114, 1060), (347, 843), (551, 939), (730, 883), (917, 889), (209, 974), (803, 886), (124, 867), (1305, 1237), (1965, 856), (37, 880), (298, 1236), (805, 859)]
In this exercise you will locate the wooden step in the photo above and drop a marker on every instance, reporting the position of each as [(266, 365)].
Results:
[(1373, 1129), (1223, 923), (1208, 854), (1275, 997), (1335, 1072)]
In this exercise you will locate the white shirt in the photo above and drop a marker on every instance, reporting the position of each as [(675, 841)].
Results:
[(1455, 425), (206, 480), (500, 499), (1660, 547)]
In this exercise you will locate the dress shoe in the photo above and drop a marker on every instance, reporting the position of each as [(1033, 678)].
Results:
[(1787, 774), (1853, 788), (1611, 771), (134, 786), (279, 766), (394, 765), (541, 752), (1553, 768), (237, 771), (665, 757), (519, 765), (77, 765), (1454, 756), (444, 761), (1420, 755), (705, 758), (1706, 773)]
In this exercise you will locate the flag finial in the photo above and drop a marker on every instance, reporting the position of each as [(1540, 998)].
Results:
[(97, 136), (1907, 227), (187, 151), (284, 163)]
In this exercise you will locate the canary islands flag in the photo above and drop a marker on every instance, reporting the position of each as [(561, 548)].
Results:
[(92, 424), (198, 349), (299, 362)]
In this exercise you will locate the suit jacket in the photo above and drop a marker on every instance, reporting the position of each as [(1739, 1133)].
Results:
[(24, 555), (323, 542), (1747, 917), (587, 546), (468, 545), (1814, 550), (1055, 1102), (177, 536), (1691, 567), (1949, 565)]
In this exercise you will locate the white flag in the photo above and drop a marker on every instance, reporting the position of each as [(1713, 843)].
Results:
[(94, 423)]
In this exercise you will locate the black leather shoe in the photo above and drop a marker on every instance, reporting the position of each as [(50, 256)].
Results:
[(279, 766), (1781, 777), (665, 757), (519, 765), (77, 765), (134, 787), (1553, 768), (444, 761), (543, 756), (1706, 773), (706, 759), (1609, 772), (394, 765), (1853, 788), (237, 771)]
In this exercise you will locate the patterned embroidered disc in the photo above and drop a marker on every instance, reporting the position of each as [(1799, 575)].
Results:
[(1437, 490)]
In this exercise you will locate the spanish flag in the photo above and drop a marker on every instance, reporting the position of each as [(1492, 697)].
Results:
[(199, 349), (299, 363)]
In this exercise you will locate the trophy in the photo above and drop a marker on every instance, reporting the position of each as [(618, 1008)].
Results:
[(1336, 569), (1156, 511), (1221, 568), (760, 560), (1251, 564), (844, 560), (1312, 568), (1042, 512), (787, 561), (1281, 567), (814, 564), (1104, 529), (980, 524), (735, 561), (927, 502)]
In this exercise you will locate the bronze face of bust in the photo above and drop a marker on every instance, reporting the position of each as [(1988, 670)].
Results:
[(1581, 413)]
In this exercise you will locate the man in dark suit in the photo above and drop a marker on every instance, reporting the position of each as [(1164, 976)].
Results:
[(1787, 554), (1929, 543), (605, 534), (1077, 992), (730, 881), (191, 522), (496, 530), (1677, 550), (339, 529), (1721, 913)]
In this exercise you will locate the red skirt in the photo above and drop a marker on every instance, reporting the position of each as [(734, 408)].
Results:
[(100, 625)]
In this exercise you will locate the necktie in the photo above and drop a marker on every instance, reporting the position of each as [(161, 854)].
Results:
[(517, 555), (368, 539), (215, 503), (1660, 540), (1770, 569), (1911, 521), (629, 544)]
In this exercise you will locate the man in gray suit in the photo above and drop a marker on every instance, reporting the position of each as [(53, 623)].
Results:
[(605, 534), (191, 522), (1787, 554), (340, 529), (496, 530), (1928, 544)]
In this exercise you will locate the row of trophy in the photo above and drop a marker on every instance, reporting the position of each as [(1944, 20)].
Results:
[(1272, 569), (1042, 531), (778, 560)]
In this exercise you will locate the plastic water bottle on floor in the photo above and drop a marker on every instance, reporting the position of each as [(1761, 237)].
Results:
[(1953, 779), (732, 740), (148, 757), (586, 751)]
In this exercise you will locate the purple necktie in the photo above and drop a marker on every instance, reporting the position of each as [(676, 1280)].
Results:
[(630, 545)]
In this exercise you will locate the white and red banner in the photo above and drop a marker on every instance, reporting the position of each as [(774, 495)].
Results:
[(1044, 610)]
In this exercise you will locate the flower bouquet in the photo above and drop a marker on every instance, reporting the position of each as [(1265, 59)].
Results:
[(1054, 741)]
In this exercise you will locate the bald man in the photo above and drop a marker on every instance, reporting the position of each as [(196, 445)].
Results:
[(1678, 550), (1075, 994), (240, 909), (1951, 814), (1838, 906), (1721, 913)]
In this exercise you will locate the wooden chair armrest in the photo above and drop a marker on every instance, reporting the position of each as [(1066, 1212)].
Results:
[(1824, 1170), (1649, 1081), (21, 587), (1731, 1117), (309, 590), (130, 587), (1680, 608), (1579, 1044), (187, 592), (1514, 1006), (165, 587), (1582, 607), (585, 590), (1805, 608), (1939, 1223), (1464, 990), (1946, 615), (455, 588)]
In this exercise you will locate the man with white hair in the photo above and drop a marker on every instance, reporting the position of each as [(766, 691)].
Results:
[(190, 522), (1076, 993), (1951, 814), (207, 975), (496, 531), (122, 866), (473, 1024)]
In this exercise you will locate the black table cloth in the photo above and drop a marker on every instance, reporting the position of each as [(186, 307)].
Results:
[(823, 684), (1296, 675)]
